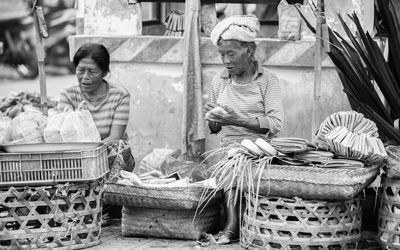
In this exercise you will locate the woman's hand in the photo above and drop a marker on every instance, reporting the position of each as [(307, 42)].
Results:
[(228, 118), (209, 106)]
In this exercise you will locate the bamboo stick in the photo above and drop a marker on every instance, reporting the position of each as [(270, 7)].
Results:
[(41, 30), (317, 68)]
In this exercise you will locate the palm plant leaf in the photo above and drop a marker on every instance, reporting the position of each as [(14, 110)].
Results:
[(360, 64)]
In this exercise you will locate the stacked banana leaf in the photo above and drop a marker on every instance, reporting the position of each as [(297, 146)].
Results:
[(174, 23), (350, 134), (362, 69), (289, 145)]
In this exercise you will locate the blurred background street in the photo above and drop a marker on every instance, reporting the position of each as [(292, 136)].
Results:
[(56, 80)]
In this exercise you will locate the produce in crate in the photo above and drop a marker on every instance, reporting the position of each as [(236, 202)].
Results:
[(28, 127), (52, 132), (78, 126), (19, 102), (5, 126)]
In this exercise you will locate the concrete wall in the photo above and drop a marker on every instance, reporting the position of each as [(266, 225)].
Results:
[(151, 69)]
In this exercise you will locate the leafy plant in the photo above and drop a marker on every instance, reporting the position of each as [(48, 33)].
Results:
[(362, 69)]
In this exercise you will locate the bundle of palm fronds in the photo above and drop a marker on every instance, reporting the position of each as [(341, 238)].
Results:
[(235, 169), (364, 72)]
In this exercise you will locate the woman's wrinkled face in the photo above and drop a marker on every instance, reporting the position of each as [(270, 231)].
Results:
[(90, 76), (235, 56)]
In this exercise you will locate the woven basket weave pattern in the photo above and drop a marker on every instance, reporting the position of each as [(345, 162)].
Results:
[(315, 183), (162, 223), (299, 224), (175, 198), (389, 214), (62, 217)]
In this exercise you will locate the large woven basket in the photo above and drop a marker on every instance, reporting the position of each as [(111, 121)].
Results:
[(389, 214), (315, 183), (281, 223), (175, 198), (56, 217), (173, 224)]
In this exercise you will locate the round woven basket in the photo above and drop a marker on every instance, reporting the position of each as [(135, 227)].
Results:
[(389, 214), (52, 217), (173, 224), (315, 183), (280, 223), (175, 198)]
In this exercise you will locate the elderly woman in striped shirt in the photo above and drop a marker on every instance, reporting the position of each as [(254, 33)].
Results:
[(107, 103), (249, 95)]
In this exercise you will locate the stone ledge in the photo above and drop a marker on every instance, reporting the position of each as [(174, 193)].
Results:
[(161, 49)]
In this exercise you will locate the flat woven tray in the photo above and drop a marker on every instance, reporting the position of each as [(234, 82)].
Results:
[(315, 183), (174, 198)]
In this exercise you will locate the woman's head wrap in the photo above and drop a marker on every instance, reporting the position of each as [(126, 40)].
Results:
[(240, 28)]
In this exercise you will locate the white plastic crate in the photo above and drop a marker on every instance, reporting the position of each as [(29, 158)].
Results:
[(50, 167)]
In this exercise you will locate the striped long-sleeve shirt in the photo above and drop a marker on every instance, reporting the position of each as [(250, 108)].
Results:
[(113, 110), (260, 99)]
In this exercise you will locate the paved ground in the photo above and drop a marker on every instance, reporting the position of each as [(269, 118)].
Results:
[(112, 239), (56, 80)]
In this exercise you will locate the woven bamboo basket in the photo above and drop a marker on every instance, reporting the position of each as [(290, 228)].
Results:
[(172, 224), (389, 214), (315, 183), (173, 198), (54, 217), (281, 223)]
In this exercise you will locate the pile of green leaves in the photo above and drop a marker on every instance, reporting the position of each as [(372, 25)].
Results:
[(361, 64)]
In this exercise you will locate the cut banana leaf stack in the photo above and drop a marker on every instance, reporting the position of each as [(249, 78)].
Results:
[(342, 163), (351, 120), (361, 146), (363, 69), (174, 23), (314, 156), (289, 145)]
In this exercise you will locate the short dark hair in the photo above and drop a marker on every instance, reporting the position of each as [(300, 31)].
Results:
[(95, 51)]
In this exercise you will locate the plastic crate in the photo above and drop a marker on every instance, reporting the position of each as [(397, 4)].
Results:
[(52, 167)]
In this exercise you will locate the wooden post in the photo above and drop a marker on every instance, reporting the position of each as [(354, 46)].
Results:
[(41, 31), (208, 18), (318, 67)]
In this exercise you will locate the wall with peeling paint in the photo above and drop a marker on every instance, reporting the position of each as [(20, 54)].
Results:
[(151, 69)]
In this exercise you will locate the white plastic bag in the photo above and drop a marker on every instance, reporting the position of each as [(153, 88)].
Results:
[(153, 160), (78, 126), (5, 126), (28, 127), (52, 131), (289, 21)]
